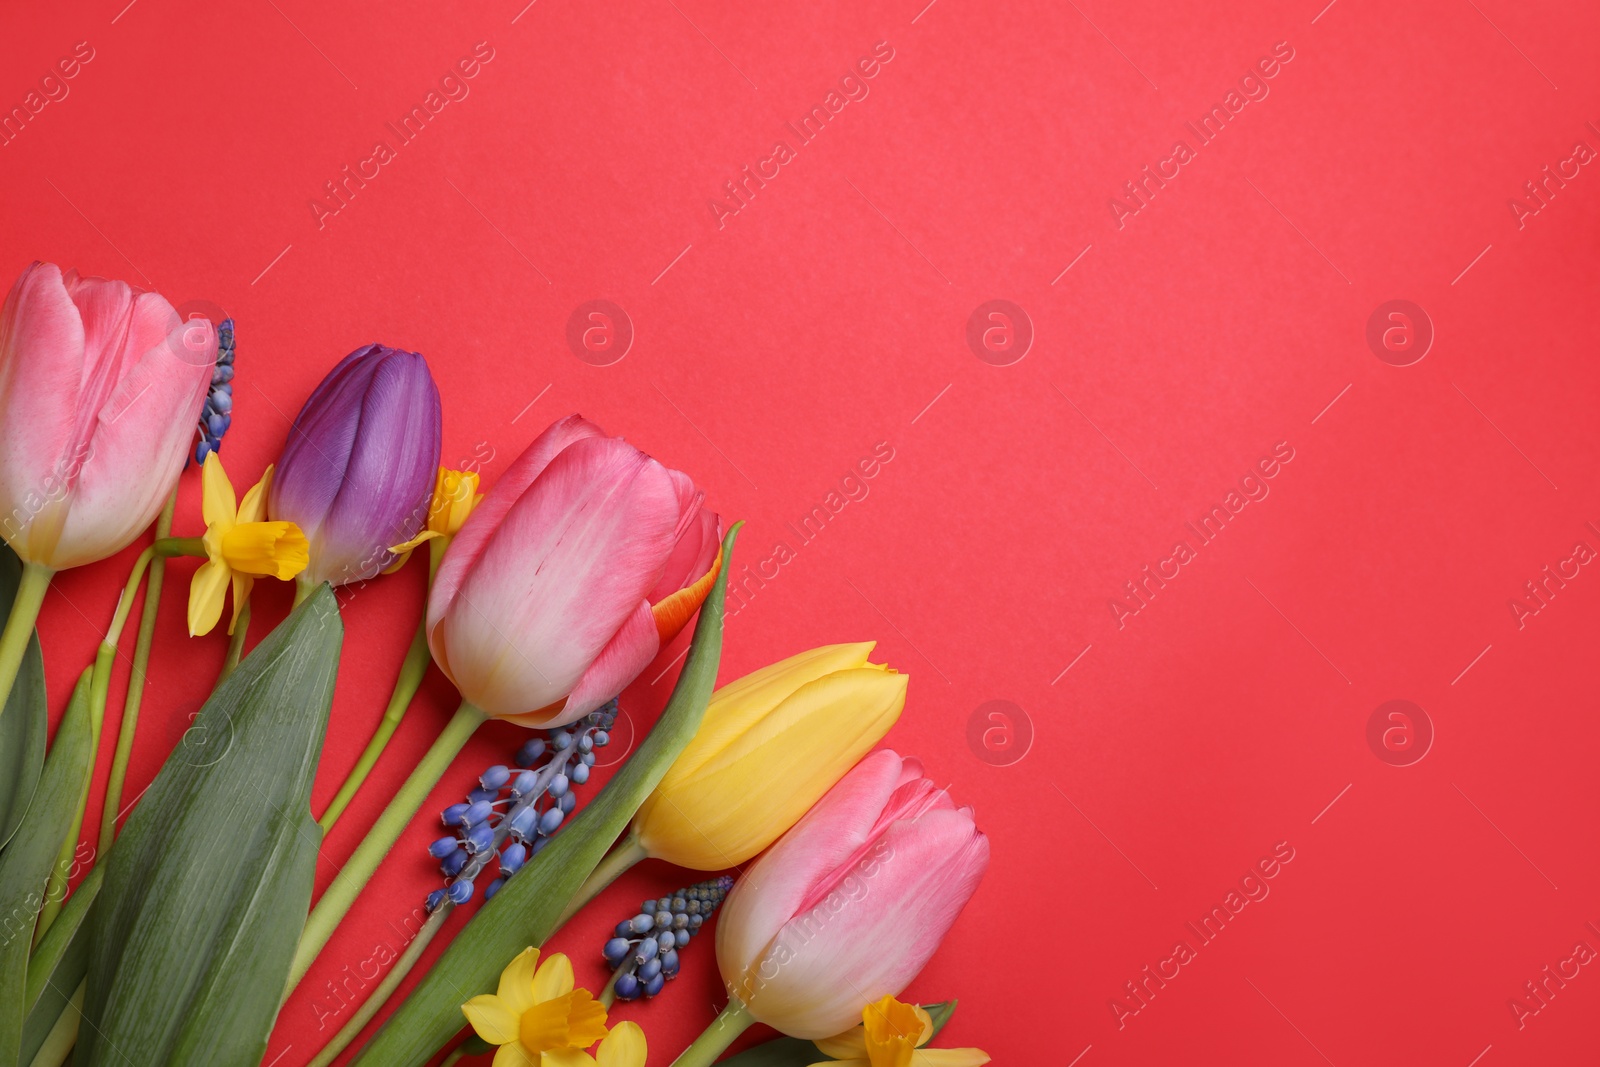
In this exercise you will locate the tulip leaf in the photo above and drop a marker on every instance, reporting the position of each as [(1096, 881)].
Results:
[(528, 907), (207, 889), (793, 1052), (25, 864), (58, 965), (25, 720)]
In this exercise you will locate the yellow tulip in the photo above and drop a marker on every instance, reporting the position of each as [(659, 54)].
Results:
[(770, 745)]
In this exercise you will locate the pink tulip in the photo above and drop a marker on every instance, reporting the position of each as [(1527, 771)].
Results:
[(851, 903), (100, 390), (585, 558)]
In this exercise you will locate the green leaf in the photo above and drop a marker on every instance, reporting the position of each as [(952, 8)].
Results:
[(208, 886), (58, 965), (527, 908), (25, 720), (793, 1052), (25, 864)]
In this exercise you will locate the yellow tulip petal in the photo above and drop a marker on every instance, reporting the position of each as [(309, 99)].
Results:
[(623, 1047), (554, 978), (492, 1019), (514, 1055), (852, 1044), (516, 981), (253, 508), (207, 591), (242, 584), (276, 549), (949, 1057), (217, 502)]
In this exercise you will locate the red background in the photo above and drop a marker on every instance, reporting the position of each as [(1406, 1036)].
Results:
[(776, 351)]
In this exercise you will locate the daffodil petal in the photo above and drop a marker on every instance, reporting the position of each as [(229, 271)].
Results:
[(407, 546), (516, 981), (554, 978), (853, 1061), (492, 1019), (623, 1047), (207, 591), (949, 1057), (253, 508), (217, 502), (278, 549), (852, 1044), (567, 1057), (242, 584), (513, 1055)]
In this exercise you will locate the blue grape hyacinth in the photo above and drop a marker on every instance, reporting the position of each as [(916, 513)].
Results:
[(643, 952), (217, 414)]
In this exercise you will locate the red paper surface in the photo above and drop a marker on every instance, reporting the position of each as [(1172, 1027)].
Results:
[(1170, 351)]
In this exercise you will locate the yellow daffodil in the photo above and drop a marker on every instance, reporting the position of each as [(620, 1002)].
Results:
[(455, 494), (892, 1034), (539, 1020), (239, 546)]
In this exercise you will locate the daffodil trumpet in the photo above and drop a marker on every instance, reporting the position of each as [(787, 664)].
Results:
[(455, 494), (892, 1034)]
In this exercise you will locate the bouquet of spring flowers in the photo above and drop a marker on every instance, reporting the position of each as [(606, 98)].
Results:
[(828, 868)]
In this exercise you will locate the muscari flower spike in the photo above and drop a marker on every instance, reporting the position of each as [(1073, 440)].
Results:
[(217, 413), (644, 952), (515, 811)]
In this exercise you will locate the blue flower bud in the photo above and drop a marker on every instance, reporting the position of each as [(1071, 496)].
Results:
[(525, 783), (652, 987), (461, 891), (550, 820), (523, 822), (495, 777), (587, 759), (530, 752), (580, 773), (601, 738), (480, 838), (456, 815), (585, 743), (222, 399), (451, 865), (483, 796), (666, 941), (558, 786), (478, 811), (567, 803), (625, 929), (435, 898), (562, 740), (512, 859), (616, 950), (492, 888), (669, 963), (642, 924), (645, 951), (627, 987), (538, 845), (650, 970), (442, 847)]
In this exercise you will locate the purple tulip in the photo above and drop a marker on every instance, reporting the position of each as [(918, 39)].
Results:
[(358, 469)]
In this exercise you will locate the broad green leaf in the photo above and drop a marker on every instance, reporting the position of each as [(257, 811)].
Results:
[(25, 720), (208, 886), (58, 965), (793, 1052), (25, 864), (527, 908)]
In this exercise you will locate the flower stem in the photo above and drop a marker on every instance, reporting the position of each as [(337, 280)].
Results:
[(386, 988), (617, 862), (19, 625), (341, 894), (406, 685), (451, 1059), (236, 643), (734, 1020), (128, 722), (63, 1035)]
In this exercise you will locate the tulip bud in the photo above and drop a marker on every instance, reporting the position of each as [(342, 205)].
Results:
[(100, 392), (358, 469), (584, 559), (852, 902), (770, 745)]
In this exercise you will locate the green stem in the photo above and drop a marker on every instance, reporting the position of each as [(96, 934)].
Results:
[(19, 625), (406, 685), (350, 880), (386, 988), (236, 643), (617, 862), (128, 721), (303, 589), (180, 546), (734, 1020), (451, 1059), (63, 1035)]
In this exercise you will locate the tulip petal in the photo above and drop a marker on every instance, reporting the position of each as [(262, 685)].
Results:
[(628, 652), (106, 308), (516, 981), (697, 543), (486, 516), (492, 1019), (559, 577), (623, 1047), (553, 979)]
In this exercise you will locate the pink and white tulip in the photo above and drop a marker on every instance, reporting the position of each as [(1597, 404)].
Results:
[(100, 389), (585, 558), (852, 902)]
